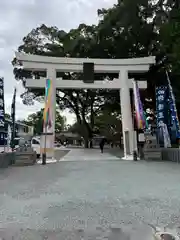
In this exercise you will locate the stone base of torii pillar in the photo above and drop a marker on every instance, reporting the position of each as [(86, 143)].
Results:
[(129, 158)]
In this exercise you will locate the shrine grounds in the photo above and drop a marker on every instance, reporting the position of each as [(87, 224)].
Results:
[(90, 196)]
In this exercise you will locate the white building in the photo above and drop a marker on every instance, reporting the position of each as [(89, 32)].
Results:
[(22, 129)]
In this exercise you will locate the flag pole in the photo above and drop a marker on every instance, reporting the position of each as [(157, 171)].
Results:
[(13, 109), (44, 134), (135, 133), (44, 152)]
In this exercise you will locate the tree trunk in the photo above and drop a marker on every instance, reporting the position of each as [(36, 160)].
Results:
[(86, 143), (91, 144), (88, 132), (92, 124)]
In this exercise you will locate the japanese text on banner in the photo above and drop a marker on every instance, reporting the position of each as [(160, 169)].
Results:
[(161, 101), (2, 120)]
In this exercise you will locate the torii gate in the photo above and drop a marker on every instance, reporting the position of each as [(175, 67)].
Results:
[(121, 66)]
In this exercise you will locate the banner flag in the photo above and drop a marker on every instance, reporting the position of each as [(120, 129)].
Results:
[(161, 104), (172, 105), (47, 116), (47, 140), (140, 119), (2, 114), (162, 109)]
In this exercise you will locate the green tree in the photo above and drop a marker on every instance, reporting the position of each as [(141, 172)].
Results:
[(129, 29), (81, 102), (108, 124), (36, 120), (7, 116)]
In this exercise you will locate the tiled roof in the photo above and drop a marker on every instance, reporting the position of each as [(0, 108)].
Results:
[(17, 122)]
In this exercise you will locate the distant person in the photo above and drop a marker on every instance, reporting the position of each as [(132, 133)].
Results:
[(101, 145)]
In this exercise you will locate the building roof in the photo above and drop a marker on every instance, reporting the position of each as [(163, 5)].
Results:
[(67, 134), (18, 123)]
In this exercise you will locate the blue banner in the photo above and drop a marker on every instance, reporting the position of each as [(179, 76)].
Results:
[(161, 104), (161, 111), (172, 105), (2, 117)]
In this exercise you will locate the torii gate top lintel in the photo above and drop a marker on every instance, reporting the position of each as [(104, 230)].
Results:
[(76, 64), (66, 60)]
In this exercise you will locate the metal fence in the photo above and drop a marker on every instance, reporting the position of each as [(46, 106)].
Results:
[(170, 154)]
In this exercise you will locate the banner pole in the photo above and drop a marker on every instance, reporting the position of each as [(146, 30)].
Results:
[(44, 152)]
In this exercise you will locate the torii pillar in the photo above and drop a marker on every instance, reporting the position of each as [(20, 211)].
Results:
[(129, 138)]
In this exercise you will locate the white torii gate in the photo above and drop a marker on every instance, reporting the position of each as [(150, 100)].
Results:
[(121, 66)]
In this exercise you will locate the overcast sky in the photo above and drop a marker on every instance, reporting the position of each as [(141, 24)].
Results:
[(19, 17)]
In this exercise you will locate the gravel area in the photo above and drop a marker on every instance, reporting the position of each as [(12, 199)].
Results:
[(88, 200)]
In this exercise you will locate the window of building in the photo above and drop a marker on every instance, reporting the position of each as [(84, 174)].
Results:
[(35, 142)]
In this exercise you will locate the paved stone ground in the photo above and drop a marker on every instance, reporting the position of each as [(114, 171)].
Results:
[(88, 199), (82, 154), (116, 151), (59, 154)]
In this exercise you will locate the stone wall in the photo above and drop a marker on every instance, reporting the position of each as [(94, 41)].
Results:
[(7, 159), (17, 159), (170, 154)]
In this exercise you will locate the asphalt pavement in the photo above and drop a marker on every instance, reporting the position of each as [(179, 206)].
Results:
[(100, 199)]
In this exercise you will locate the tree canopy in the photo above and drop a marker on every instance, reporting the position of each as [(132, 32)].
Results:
[(129, 29)]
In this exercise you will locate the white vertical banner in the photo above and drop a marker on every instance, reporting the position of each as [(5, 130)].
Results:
[(9, 134)]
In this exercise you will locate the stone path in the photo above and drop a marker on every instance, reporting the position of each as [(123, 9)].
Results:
[(59, 154), (81, 154)]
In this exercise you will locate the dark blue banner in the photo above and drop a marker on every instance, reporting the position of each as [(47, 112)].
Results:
[(174, 118), (174, 121), (161, 111), (161, 104), (2, 117)]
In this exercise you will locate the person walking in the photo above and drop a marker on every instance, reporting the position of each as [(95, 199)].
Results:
[(101, 145)]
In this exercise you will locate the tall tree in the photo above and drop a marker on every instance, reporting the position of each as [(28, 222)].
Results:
[(76, 43), (128, 29)]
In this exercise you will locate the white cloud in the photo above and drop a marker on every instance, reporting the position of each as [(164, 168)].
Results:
[(19, 17)]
